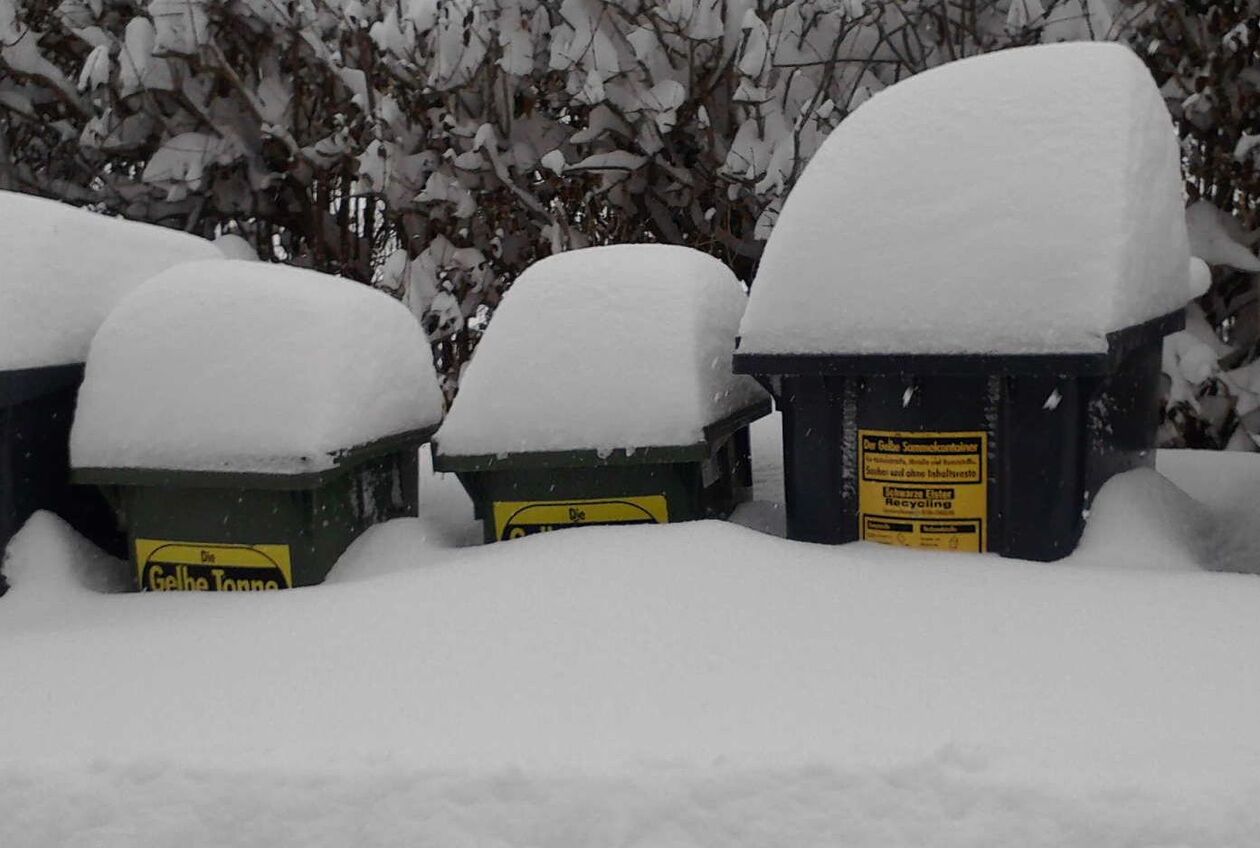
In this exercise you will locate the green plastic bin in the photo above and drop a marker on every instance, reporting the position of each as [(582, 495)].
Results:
[(209, 531), (248, 421), (520, 494)]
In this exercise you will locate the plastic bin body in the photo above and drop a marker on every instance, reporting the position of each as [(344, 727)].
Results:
[(522, 494), (36, 411), (207, 531), (1019, 444)]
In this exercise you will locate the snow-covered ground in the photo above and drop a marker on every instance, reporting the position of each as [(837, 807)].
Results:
[(687, 685)]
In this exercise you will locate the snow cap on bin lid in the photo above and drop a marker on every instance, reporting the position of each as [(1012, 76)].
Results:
[(65, 268), (1027, 201), (250, 367), (603, 348)]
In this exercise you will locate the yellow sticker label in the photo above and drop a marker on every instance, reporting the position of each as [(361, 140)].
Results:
[(923, 490), (165, 566), (513, 519)]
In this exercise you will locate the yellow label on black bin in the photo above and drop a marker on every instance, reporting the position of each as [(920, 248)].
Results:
[(165, 566), (923, 490), (513, 519)]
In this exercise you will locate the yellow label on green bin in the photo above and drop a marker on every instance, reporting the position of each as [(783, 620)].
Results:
[(923, 490), (165, 566), (513, 519)]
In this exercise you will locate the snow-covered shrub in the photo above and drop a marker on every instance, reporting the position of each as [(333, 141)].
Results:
[(1212, 377), (1206, 56), (438, 148)]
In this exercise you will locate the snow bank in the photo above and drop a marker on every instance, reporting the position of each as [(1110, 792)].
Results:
[(1176, 532), (65, 268), (1227, 485), (1019, 202), (937, 802), (242, 366), (609, 347), (681, 685)]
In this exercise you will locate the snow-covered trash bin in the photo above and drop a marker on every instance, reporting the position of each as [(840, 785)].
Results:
[(64, 268), (960, 308), (250, 420), (602, 394)]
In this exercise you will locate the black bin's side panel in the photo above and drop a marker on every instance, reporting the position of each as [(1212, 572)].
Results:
[(35, 471), (10, 508), (742, 448), (814, 460), (1122, 418), (1065, 437), (1042, 418)]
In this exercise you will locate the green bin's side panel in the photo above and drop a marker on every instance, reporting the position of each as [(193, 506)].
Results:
[(611, 494), (375, 491), (291, 537), (217, 519)]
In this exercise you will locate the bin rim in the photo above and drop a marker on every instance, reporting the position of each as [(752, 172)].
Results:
[(593, 458), (18, 385), (343, 460), (1120, 343)]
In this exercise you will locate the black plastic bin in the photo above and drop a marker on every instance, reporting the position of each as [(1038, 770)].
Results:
[(36, 411), (962, 452), (521, 494), (65, 268)]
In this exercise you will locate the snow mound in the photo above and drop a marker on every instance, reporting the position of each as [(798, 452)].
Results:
[(241, 366), (65, 268), (610, 347), (1227, 485), (1141, 520), (234, 247), (56, 573), (1026, 201)]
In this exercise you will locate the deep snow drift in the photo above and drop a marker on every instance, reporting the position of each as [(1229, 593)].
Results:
[(680, 685), (246, 366), (1018, 202)]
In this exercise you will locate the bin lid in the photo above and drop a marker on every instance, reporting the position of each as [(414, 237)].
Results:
[(1022, 202), (604, 348), (711, 438), (245, 367), (65, 268)]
